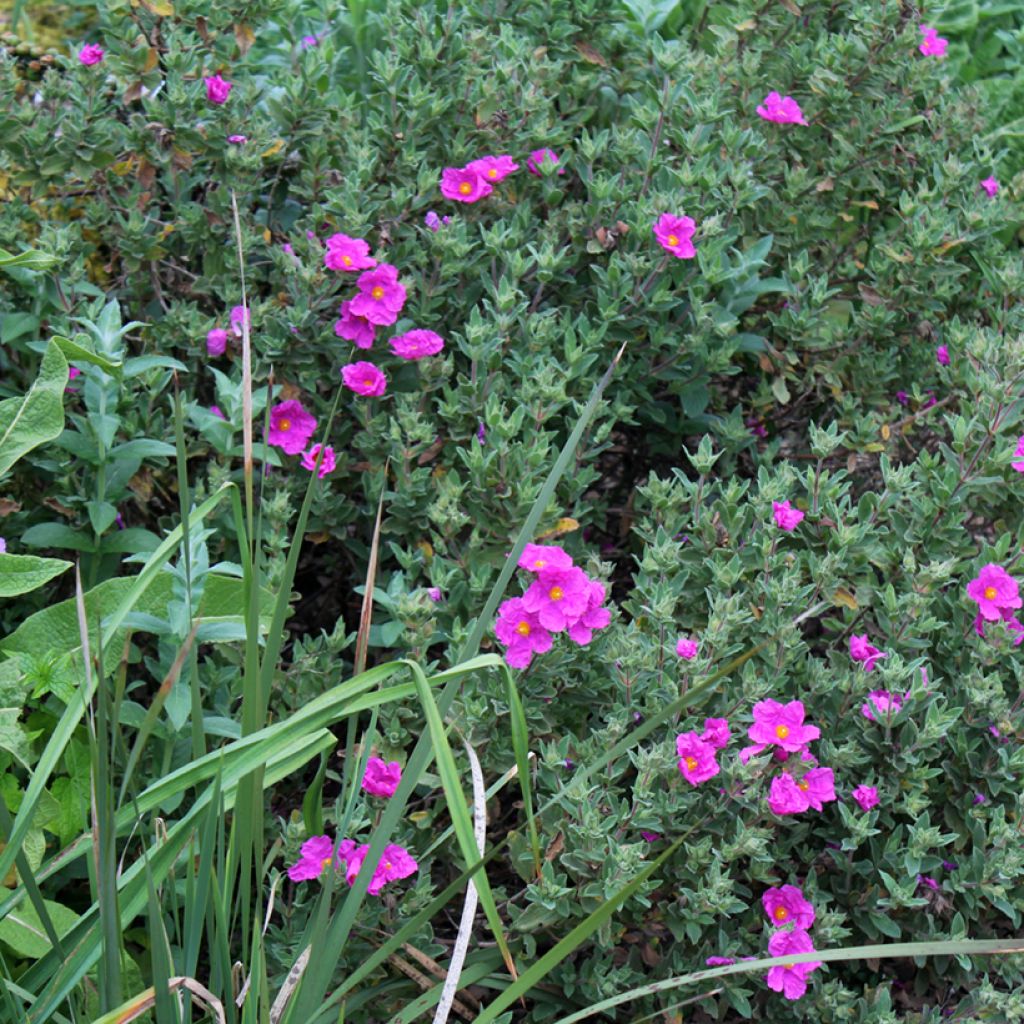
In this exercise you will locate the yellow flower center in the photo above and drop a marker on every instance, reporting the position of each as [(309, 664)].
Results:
[(326, 863), (990, 593), (780, 914), (523, 629), (539, 563), (782, 731), (368, 381), (378, 292), (556, 593), (493, 172), (465, 188), (804, 785), (284, 424), (347, 260), (387, 865), (672, 240), (691, 764)]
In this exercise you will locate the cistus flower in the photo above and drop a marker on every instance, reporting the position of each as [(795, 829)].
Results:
[(903, 398), (1018, 461), (787, 905), (649, 837), (696, 758), (364, 379), (942, 355), (539, 157), (593, 618), (434, 593), (432, 221), (720, 961), (716, 732), (216, 411), (675, 234), (395, 863), (786, 517), (493, 168), (348, 254), (687, 649), (779, 725), (216, 341), (995, 592), (866, 796), (381, 296), (781, 109), (3, 546), (418, 344), (790, 980), (558, 597), (91, 53), (861, 650), (327, 464), (932, 45), (315, 854), (356, 329), (238, 318), (381, 778), (991, 186), (217, 89), (238, 140), (881, 702), (536, 557), (463, 185), (521, 632), (819, 784), (291, 427)]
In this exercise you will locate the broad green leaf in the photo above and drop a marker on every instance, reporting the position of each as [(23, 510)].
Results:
[(21, 573), (79, 350), (38, 416), (30, 259), (22, 931), (14, 737)]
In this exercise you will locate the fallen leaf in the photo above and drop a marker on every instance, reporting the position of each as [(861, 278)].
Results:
[(825, 185), (845, 598), (245, 37), (274, 149), (589, 54), (152, 60), (868, 204), (161, 8), (870, 296)]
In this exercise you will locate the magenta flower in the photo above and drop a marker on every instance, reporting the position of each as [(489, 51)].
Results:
[(791, 980), (942, 355), (291, 427), (882, 701), (354, 328), (380, 297), (395, 862), (364, 379), (650, 837), (861, 650), (216, 411), (687, 649), (216, 341), (344, 253), (558, 597), (316, 853), (787, 905), (239, 317), (675, 234), (327, 465), (786, 517), (820, 786), (539, 157), (903, 398), (991, 186), (720, 961), (217, 89), (1018, 462), (434, 593), (933, 45), (716, 732), (91, 53), (595, 617), (696, 758), (866, 796), (521, 632), (3, 546), (416, 344), (1013, 624), (380, 778), (995, 591), (463, 185), (536, 557), (781, 109), (74, 371), (238, 140), (780, 725), (432, 221), (493, 168), (786, 797)]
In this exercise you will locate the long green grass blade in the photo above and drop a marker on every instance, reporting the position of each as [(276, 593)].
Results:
[(521, 749)]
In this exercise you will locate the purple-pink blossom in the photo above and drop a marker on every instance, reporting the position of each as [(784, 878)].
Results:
[(932, 45), (216, 341), (787, 905), (91, 53), (995, 592), (536, 557), (291, 427), (720, 961), (1018, 452), (348, 254), (781, 109), (791, 980), (381, 778), (716, 732), (991, 186), (364, 379), (356, 329), (463, 185), (942, 355), (327, 464), (686, 648), (434, 593), (595, 616), (820, 786), (558, 597), (541, 157), (522, 633), (217, 89), (780, 725), (786, 517), (417, 344), (861, 650), (493, 168), (238, 140), (381, 295), (696, 758), (675, 235), (883, 702), (315, 854), (239, 318), (866, 796)]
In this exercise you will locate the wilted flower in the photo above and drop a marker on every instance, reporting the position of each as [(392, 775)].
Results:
[(687, 649), (861, 650), (716, 732), (238, 140), (866, 796), (416, 344), (942, 355), (239, 316), (991, 186), (216, 341), (434, 593)]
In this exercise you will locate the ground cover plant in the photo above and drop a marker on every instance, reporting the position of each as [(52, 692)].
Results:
[(511, 511)]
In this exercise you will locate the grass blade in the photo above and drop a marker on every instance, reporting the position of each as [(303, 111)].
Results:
[(366, 611), (521, 749)]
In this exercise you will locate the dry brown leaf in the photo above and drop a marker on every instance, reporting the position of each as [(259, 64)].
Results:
[(589, 54), (245, 37)]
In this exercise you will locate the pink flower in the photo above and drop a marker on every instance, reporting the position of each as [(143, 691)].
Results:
[(595, 617), (786, 797), (521, 632), (1013, 624), (344, 253), (539, 157), (536, 557), (786, 517), (820, 786), (291, 427), (687, 649), (866, 796), (650, 837), (354, 328), (696, 758), (91, 53), (380, 297), (791, 980), (995, 591), (991, 186), (720, 961), (780, 725), (558, 597), (861, 650), (781, 109), (493, 168), (316, 853), (74, 371), (434, 593), (395, 862), (416, 344), (933, 45), (239, 317), (432, 221), (364, 379), (882, 701), (217, 89), (1018, 462), (381, 779), (3, 546), (463, 185), (216, 341), (216, 411), (238, 140), (787, 905), (942, 355), (675, 234), (716, 732), (928, 882), (327, 465)]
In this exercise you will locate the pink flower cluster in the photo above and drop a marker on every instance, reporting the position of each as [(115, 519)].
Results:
[(474, 182), (997, 595), (791, 914), (291, 428), (561, 599), (697, 753), (318, 853)]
